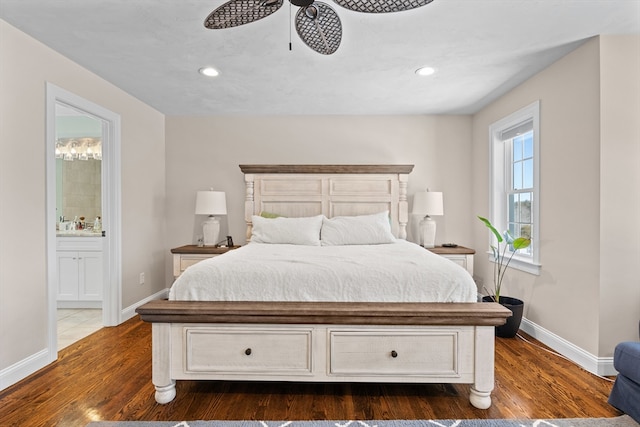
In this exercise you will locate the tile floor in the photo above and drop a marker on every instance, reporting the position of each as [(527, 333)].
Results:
[(75, 324)]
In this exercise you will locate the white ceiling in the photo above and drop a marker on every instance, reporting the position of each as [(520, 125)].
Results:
[(481, 48)]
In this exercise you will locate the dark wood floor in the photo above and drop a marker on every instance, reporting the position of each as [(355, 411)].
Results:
[(107, 376)]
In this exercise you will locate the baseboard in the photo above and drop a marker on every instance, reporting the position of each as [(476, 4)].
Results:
[(596, 365), (24, 368), (39, 360), (130, 311)]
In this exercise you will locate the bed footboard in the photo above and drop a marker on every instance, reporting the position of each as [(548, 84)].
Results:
[(328, 342)]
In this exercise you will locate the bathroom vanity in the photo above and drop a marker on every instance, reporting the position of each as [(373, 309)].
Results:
[(80, 272)]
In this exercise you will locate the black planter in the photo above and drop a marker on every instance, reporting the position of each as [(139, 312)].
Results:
[(509, 329)]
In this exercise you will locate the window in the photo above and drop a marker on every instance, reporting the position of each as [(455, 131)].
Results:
[(515, 147)]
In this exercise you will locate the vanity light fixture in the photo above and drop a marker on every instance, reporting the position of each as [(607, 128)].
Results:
[(425, 71), (208, 71), (79, 148)]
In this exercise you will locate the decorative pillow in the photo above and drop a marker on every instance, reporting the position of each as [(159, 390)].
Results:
[(264, 214), (292, 231), (357, 230)]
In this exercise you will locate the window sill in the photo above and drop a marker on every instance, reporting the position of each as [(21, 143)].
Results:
[(521, 264)]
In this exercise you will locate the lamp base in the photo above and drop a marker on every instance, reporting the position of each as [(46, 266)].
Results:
[(428, 232), (211, 231)]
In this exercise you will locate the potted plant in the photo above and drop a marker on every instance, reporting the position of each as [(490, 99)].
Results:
[(501, 261)]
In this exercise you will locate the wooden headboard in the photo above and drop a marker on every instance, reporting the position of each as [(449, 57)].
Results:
[(330, 190)]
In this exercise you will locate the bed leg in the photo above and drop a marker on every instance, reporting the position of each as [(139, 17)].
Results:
[(480, 395), (165, 394), (161, 348), (480, 399)]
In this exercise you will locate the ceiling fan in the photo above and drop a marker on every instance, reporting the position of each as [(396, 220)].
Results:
[(317, 24)]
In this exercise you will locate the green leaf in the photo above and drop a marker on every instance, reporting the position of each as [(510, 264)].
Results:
[(508, 237), (496, 254), (521, 243), (492, 228)]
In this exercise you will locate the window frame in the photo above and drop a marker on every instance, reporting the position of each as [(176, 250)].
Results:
[(501, 175)]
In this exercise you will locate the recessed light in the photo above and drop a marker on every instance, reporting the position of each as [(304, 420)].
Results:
[(208, 71), (425, 71)]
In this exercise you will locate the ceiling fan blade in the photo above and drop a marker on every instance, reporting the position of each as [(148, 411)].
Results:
[(319, 27), (239, 12), (381, 6)]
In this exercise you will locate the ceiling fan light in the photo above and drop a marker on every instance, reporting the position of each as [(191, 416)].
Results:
[(425, 71), (208, 71), (319, 27), (311, 12)]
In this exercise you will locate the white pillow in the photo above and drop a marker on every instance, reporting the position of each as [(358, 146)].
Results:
[(293, 231), (357, 230)]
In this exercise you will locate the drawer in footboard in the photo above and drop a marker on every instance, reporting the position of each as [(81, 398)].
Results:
[(251, 350), (411, 352)]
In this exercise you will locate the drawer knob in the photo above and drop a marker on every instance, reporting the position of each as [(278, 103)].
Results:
[(247, 352), (394, 353)]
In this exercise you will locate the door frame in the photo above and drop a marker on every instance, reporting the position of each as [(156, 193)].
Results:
[(111, 208)]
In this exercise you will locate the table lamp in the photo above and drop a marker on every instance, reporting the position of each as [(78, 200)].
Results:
[(428, 203), (211, 203)]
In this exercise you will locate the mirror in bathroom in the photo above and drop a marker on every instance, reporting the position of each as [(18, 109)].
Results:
[(78, 168)]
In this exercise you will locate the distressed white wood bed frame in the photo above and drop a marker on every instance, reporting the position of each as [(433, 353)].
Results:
[(325, 342)]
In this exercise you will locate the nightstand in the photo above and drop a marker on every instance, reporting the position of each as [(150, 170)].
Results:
[(460, 255), (186, 256)]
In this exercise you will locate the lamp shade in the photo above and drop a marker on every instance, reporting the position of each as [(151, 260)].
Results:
[(428, 203), (211, 203)]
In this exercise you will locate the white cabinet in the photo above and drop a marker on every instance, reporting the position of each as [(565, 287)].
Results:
[(186, 256), (80, 272), (459, 254)]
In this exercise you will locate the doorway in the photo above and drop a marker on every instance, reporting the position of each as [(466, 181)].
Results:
[(98, 233)]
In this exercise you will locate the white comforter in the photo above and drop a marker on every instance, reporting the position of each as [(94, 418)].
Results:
[(395, 272)]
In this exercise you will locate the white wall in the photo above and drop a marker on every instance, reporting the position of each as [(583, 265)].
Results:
[(588, 292), (205, 152), (619, 190), (588, 194), (25, 66)]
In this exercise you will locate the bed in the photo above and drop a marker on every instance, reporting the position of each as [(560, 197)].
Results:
[(389, 327)]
